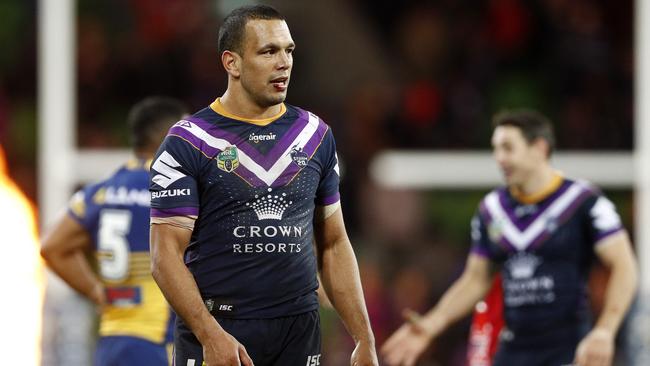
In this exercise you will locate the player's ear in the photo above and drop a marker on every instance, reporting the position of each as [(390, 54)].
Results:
[(542, 146), (231, 62)]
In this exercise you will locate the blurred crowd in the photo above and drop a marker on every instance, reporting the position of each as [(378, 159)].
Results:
[(418, 74)]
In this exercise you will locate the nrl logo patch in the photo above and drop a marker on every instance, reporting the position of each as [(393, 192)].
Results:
[(299, 157), (228, 159), (495, 231)]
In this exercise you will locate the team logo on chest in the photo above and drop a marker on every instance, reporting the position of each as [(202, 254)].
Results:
[(522, 265), (228, 159), (495, 230), (299, 157)]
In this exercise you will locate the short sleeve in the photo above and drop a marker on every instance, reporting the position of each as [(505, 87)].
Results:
[(328, 187), (480, 240), (173, 179), (83, 208), (603, 220)]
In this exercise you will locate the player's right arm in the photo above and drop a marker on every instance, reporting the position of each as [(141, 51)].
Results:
[(168, 243), (172, 220), (65, 249), (407, 344)]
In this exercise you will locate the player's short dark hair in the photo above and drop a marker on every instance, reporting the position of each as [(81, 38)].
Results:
[(233, 29), (533, 125), (152, 116)]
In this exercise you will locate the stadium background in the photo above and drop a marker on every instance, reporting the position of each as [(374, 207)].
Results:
[(413, 75)]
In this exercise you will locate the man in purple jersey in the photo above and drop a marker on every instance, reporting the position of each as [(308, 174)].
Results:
[(541, 231), (240, 191)]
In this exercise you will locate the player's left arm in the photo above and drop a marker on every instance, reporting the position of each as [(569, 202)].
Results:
[(340, 279), (615, 252), (64, 248)]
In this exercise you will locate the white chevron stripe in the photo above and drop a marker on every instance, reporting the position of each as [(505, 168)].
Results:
[(267, 176), (522, 240)]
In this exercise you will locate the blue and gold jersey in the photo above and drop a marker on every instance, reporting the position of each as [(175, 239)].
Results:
[(115, 214), (545, 249), (254, 185)]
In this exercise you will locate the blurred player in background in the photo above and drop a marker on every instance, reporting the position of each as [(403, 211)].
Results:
[(542, 231), (111, 220), (240, 190), (487, 322)]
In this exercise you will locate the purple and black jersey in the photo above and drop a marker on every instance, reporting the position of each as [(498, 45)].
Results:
[(254, 189), (545, 251)]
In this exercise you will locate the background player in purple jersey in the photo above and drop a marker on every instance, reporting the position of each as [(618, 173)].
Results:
[(240, 190), (110, 219), (542, 231)]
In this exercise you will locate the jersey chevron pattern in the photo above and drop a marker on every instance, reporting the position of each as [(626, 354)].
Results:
[(115, 213), (545, 250), (254, 189)]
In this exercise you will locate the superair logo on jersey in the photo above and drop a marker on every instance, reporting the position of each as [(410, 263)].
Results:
[(228, 159), (165, 165), (299, 156), (261, 137)]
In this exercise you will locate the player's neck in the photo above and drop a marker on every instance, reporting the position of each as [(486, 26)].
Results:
[(145, 153), (538, 182), (241, 106)]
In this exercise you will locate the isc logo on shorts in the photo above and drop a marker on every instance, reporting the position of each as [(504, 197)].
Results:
[(313, 360)]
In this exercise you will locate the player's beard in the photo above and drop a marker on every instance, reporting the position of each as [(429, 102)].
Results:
[(262, 98)]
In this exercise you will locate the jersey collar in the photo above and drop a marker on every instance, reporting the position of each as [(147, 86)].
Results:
[(532, 198), (218, 108)]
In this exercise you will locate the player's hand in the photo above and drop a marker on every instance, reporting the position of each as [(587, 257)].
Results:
[(407, 344), (98, 297), (596, 349), (364, 354), (225, 350)]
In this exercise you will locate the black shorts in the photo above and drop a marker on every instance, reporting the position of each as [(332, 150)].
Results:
[(293, 340), (553, 347), (561, 355)]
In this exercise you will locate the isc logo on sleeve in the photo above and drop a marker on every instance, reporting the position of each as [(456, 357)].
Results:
[(165, 165)]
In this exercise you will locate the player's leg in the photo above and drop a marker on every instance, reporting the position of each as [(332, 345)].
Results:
[(188, 351), (254, 334), (300, 343), (559, 355)]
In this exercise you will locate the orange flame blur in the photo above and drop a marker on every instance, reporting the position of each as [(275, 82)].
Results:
[(21, 271)]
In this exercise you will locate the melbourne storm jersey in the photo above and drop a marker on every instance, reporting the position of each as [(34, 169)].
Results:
[(115, 213), (545, 249), (254, 186)]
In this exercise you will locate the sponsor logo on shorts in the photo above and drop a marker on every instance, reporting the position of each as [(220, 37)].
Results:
[(313, 360)]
